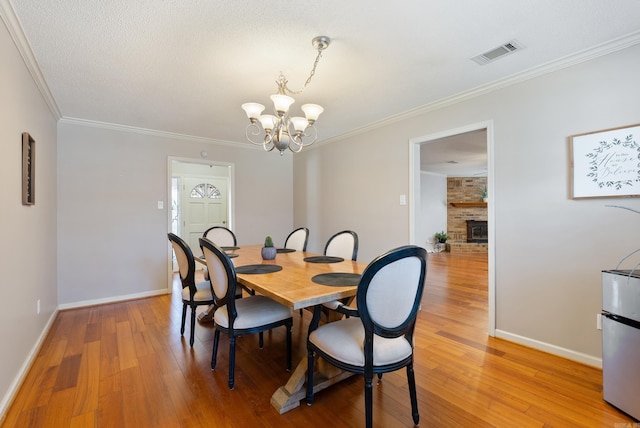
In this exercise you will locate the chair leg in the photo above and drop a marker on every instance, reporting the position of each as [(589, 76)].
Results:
[(232, 360), (289, 346), (184, 318), (368, 400), (260, 340), (193, 325), (412, 393), (310, 377), (214, 354)]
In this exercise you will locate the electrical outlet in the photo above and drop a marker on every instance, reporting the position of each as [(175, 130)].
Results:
[(38, 307), (599, 321)]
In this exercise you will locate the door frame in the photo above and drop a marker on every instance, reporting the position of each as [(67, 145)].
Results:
[(230, 206), (414, 201)]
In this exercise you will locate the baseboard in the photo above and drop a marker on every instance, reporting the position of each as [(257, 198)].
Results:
[(24, 369), (113, 299), (569, 354)]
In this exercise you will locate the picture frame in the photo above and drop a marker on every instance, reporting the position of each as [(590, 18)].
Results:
[(28, 169), (606, 163)]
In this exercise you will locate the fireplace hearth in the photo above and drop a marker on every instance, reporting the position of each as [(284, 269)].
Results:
[(477, 231)]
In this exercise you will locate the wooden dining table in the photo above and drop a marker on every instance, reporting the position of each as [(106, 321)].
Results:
[(293, 286)]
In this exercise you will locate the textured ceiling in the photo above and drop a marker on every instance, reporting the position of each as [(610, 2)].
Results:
[(186, 66)]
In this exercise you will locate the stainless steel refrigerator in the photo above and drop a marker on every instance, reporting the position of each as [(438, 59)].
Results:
[(621, 340)]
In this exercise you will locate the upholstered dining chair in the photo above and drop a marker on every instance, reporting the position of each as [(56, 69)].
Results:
[(221, 236), (249, 315), (343, 244), (193, 294), (379, 338), (297, 240)]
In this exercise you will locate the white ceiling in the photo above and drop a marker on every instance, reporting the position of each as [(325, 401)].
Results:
[(186, 66)]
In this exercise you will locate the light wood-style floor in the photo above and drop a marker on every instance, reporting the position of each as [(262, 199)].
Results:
[(126, 365)]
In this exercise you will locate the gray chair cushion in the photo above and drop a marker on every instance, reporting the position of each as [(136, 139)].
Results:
[(344, 341), (253, 311)]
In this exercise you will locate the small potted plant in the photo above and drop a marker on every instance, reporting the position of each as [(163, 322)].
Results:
[(441, 237), (268, 251), (484, 194)]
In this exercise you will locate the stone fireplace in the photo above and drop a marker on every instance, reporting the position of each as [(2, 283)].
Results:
[(477, 231)]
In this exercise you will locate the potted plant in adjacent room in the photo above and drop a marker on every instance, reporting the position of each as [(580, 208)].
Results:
[(441, 241), (484, 194), (268, 251)]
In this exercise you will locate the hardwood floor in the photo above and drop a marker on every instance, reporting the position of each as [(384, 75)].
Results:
[(126, 365)]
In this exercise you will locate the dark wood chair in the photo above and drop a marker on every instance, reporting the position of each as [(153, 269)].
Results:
[(297, 240), (343, 244), (193, 294), (378, 338), (221, 236), (249, 315)]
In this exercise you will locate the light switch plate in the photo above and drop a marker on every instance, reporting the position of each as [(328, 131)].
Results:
[(160, 205)]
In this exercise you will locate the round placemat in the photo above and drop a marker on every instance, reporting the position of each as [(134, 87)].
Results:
[(337, 279), (285, 250), (229, 248), (258, 268), (323, 259), (232, 255)]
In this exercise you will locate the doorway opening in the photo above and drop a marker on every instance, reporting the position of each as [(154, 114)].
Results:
[(201, 195), (418, 234)]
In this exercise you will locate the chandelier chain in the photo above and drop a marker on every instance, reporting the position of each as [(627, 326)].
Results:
[(313, 72)]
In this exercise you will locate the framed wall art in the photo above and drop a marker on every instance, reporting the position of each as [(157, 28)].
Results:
[(28, 169), (606, 163)]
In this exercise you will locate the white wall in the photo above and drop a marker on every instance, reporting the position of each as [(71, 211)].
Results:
[(549, 248), (28, 250), (432, 215), (112, 239)]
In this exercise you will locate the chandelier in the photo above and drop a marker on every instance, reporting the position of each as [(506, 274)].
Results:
[(280, 131)]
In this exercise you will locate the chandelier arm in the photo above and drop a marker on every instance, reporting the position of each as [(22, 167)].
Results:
[(253, 130)]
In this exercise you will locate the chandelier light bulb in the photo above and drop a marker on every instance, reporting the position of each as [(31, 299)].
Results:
[(253, 110), (299, 124), (268, 121), (312, 112), (281, 103)]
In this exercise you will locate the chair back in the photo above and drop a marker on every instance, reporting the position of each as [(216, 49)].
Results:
[(222, 276), (186, 262), (343, 244), (221, 236), (297, 239), (390, 292)]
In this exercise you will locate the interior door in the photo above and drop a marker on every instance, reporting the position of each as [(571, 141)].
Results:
[(205, 203)]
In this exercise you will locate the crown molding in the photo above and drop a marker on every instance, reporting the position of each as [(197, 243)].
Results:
[(541, 70), (152, 132), (8, 15)]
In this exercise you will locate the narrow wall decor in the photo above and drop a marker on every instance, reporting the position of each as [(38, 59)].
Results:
[(606, 163), (28, 169)]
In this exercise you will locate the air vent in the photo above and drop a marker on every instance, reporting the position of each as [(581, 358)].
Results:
[(498, 52)]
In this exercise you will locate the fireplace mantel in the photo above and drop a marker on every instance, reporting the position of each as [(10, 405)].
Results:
[(468, 204)]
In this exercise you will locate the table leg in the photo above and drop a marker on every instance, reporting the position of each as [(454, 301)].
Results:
[(288, 397)]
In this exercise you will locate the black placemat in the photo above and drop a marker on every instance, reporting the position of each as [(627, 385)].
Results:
[(232, 255), (258, 268), (285, 250), (229, 248), (337, 279), (323, 259)]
